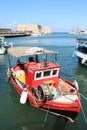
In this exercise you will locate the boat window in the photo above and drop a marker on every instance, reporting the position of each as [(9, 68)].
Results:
[(54, 72), (46, 73), (38, 74)]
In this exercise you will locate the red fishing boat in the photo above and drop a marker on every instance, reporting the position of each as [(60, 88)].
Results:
[(38, 81)]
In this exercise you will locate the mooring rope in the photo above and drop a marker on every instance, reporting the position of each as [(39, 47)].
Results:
[(83, 96), (47, 113), (84, 114), (82, 108), (45, 119)]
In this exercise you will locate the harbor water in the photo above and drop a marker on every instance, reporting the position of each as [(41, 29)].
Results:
[(15, 116)]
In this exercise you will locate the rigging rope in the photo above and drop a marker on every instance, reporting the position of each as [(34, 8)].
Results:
[(84, 114), (82, 108), (83, 97)]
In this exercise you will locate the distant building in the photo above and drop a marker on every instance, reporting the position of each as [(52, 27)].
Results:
[(33, 28), (5, 30), (46, 30)]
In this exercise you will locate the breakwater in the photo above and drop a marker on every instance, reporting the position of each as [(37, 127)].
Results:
[(14, 34)]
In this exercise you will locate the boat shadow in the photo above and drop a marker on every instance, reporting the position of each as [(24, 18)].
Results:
[(55, 123), (60, 123)]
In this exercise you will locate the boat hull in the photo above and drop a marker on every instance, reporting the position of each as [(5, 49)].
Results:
[(66, 111), (82, 57)]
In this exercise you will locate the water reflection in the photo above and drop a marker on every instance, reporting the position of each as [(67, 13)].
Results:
[(2, 59), (81, 76)]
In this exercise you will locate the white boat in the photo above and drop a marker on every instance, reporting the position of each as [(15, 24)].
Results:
[(36, 34), (81, 50), (4, 43), (78, 32)]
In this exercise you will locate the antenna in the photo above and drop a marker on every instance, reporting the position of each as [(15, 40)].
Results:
[(45, 61)]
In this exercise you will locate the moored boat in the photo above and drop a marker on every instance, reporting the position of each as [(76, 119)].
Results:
[(5, 43), (81, 50), (38, 82)]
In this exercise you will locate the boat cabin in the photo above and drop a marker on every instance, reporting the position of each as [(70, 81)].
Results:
[(36, 72), (39, 73)]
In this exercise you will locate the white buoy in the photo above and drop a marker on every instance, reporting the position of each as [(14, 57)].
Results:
[(83, 60), (23, 97), (76, 84)]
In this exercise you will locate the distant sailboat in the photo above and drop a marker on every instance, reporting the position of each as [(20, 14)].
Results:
[(78, 31)]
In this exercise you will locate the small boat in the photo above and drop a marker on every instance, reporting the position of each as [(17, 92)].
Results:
[(79, 32), (5, 43), (38, 82), (36, 34), (81, 50)]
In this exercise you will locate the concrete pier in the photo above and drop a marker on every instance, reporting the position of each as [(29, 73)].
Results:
[(14, 34)]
